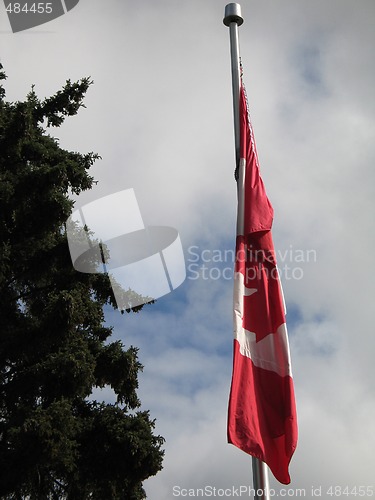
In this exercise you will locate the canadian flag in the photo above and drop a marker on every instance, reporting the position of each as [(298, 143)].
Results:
[(262, 419)]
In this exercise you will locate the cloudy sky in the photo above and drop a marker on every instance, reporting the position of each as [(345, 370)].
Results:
[(160, 115)]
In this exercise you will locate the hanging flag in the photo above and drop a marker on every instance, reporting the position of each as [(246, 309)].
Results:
[(262, 418)]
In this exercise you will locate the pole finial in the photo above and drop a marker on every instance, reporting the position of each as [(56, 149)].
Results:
[(233, 14)]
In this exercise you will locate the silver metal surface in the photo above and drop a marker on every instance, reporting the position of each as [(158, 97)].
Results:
[(233, 14), (260, 480)]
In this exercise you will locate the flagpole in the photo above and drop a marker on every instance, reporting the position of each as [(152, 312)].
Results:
[(260, 480), (233, 19)]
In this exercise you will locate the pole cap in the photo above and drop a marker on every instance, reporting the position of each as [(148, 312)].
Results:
[(233, 14)]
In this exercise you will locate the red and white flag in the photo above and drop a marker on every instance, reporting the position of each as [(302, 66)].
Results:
[(262, 419)]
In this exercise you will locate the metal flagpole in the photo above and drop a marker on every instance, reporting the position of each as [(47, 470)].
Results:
[(233, 19), (260, 480)]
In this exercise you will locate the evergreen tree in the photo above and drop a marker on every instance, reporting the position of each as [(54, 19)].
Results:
[(56, 443)]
